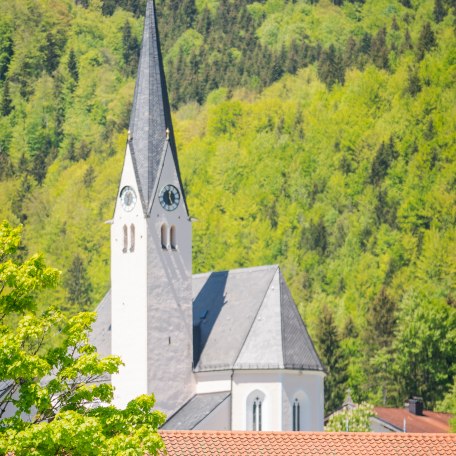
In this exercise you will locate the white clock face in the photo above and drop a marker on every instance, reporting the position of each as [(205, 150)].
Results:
[(169, 197), (128, 198)]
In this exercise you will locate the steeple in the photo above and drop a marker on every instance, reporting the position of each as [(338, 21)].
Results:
[(151, 129)]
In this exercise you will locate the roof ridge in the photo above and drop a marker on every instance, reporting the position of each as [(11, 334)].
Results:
[(256, 315), (238, 270)]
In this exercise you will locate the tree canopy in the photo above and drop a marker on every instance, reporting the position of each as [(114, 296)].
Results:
[(54, 398)]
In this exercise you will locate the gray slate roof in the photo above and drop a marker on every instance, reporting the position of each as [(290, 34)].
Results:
[(151, 115), (240, 321), (195, 410)]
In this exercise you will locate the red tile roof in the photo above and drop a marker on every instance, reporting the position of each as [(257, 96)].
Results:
[(238, 443), (428, 422)]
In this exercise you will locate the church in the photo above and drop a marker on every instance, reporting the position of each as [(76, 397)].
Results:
[(221, 350)]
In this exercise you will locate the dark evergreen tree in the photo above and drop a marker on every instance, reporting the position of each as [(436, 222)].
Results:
[(83, 3), (413, 82), (386, 153), (426, 40), (439, 11), (17, 201), (330, 67), (381, 321), (51, 53), (6, 103), (406, 3), (379, 50), (329, 350), (78, 284), (407, 44), (89, 176), (131, 49), (6, 52), (73, 66)]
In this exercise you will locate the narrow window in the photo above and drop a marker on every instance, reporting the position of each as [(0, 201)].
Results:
[(296, 415), (125, 239), (132, 238), (164, 236), (173, 238), (256, 414)]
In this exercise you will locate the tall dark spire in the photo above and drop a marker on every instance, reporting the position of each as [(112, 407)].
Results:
[(151, 129)]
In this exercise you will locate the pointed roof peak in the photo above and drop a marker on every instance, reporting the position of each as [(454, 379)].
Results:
[(151, 129)]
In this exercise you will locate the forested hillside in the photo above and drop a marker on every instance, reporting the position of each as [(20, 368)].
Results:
[(320, 135)]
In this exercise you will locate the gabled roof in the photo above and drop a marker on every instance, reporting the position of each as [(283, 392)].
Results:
[(431, 422), (150, 118), (196, 410), (238, 443), (247, 319)]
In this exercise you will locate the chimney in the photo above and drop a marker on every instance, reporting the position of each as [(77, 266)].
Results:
[(416, 406)]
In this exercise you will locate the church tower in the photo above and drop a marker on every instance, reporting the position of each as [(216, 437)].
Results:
[(151, 248)]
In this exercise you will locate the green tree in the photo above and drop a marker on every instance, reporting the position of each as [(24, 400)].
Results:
[(6, 103), (426, 40), (424, 347), (330, 67), (356, 419), (49, 393), (78, 284), (329, 350), (131, 49), (73, 66), (439, 11), (379, 50)]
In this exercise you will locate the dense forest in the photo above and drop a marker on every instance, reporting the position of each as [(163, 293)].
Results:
[(319, 135)]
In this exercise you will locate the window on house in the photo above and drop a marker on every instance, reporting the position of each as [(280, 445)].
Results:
[(173, 237), (132, 238), (296, 415), (256, 415), (125, 239), (164, 236)]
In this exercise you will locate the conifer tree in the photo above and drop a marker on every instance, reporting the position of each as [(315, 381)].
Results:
[(439, 11), (131, 49), (379, 50), (381, 321), (328, 343), (386, 153), (426, 40), (6, 103), (73, 66), (413, 82), (78, 284), (330, 67)]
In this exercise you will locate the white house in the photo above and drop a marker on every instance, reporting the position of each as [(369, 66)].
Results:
[(221, 350)]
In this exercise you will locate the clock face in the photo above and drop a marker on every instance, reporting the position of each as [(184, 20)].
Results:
[(169, 197), (128, 198)]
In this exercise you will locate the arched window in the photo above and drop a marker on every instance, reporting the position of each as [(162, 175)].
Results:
[(125, 239), (164, 236), (132, 238), (256, 414), (173, 237), (296, 415), (255, 411)]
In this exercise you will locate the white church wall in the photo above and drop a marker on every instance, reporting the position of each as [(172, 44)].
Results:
[(269, 383), (217, 420), (129, 295), (307, 387), (213, 382)]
